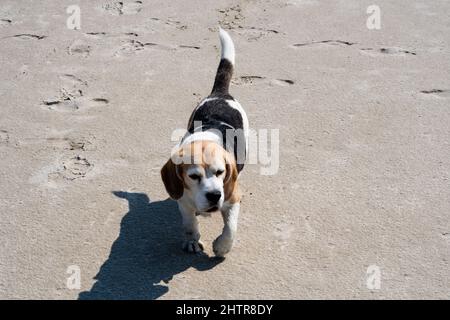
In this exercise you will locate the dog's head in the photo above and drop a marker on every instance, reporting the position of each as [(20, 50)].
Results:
[(204, 173)]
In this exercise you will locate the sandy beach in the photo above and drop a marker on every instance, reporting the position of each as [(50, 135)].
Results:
[(357, 208)]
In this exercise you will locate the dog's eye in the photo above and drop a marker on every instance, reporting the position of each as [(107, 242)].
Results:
[(219, 172), (195, 177)]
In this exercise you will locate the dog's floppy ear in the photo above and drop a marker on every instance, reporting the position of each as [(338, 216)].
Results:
[(171, 176), (230, 185)]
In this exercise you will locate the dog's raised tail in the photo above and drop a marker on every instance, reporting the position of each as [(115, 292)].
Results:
[(226, 65)]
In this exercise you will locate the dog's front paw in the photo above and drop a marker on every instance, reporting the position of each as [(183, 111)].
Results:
[(193, 246), (222, 245)]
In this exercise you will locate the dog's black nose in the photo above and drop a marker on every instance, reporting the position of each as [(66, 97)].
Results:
[(213, 197)]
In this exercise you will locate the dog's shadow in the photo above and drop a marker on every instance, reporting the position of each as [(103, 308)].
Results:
[(147, 253)]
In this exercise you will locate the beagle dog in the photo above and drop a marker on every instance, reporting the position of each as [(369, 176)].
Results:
[(202, 174)]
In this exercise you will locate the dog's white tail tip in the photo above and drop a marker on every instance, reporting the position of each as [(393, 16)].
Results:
[(227, 46)]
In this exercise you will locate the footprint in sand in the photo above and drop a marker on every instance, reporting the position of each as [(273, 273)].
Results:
[(437, 93), (72, 169), (72, 143), (131, 7), (101, 35), (231, 17), (247, 80), (122, 7), (79, 48), (4, 137), (96, 102), (183, 46), (5, 22), (341, 43), (29, 36), (282, 82), (71, 96), (64, 104), (392, 51), (71, 89), (81, 143), (170, 22), (131, 47), (256, 80), (386, 51), (70, 104), (74, 81), (254, 33), (283, 233)]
